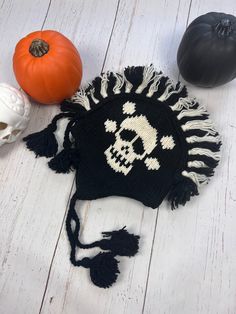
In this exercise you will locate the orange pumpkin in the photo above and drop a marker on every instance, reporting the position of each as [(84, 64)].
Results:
[(47, 66)]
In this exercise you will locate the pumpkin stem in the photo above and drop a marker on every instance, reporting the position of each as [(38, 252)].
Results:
[(38, 47), (223, 28)]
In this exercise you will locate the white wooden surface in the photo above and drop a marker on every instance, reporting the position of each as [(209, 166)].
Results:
[(187, 258)]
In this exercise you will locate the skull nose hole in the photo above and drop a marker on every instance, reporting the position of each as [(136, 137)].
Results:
[(3, 126), (126, 149)]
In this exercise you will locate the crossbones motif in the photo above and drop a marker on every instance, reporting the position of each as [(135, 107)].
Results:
[(135, 139)]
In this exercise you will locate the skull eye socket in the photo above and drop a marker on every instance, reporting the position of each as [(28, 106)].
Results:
[(127, 135), (3, 126), (138, 146)]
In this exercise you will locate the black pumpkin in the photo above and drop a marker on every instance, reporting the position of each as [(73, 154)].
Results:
[(207, 53)]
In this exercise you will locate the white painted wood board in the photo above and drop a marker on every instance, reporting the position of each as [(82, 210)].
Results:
[(186, 262), (194, 257)]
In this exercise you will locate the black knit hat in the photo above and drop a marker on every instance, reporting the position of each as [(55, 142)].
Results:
[(133, 134)]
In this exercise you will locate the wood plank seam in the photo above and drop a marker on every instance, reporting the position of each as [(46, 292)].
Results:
[(55, 249), (46, 15), (112, 30), (149, 262)]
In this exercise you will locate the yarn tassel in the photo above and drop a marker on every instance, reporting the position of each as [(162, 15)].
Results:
[(103, 269), (42, 143), (121, 242), (181, 192), (65, 161), (104, 266)]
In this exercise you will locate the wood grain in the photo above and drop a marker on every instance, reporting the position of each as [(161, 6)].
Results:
[(194, 257), (33, 199), (138, 35), (23, 264), (187, 259)]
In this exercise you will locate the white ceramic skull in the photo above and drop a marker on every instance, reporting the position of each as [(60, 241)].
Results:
[(123, 153), (14, 113)]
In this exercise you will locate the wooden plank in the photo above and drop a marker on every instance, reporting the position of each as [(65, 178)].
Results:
[(33, 198), (141, 35), (193, 269), (18, 254)]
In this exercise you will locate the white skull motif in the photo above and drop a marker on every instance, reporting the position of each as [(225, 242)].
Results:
[(122, 153), (14, 113), (133, 130)]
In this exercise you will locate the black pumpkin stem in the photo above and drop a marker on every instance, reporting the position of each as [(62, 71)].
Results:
[(223, 28)]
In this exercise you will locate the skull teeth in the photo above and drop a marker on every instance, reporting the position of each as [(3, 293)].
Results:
[(119, 158)]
